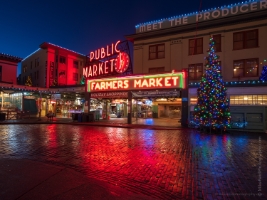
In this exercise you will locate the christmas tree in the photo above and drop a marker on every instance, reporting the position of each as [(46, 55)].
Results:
[(263, 76), (55, 82), (83, 80), (28, 81), (212, 109)]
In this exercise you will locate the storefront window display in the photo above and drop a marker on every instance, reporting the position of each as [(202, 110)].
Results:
[(118, 108), (65, 108), (168, 107), (12, 101), (109, 108), (98, 107), (142, 108)]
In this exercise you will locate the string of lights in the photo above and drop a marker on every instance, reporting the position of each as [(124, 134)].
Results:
[(197, 12), (212, 109)]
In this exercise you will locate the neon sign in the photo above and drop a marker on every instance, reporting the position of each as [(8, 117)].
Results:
[(104, 52), (104, 62), (159, 81)]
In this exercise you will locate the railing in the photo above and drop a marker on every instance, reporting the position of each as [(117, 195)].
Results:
[(15, 114)]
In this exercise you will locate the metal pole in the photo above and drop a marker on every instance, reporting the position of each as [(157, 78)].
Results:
[(130, 107), (40, 110), (136, 114)]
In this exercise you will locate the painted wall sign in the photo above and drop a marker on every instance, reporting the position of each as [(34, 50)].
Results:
[(210, 14), (157, 93), (104, 62), (109, 95), (159, 81)]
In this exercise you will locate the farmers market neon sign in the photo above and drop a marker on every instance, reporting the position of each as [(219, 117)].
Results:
[(159, 81)]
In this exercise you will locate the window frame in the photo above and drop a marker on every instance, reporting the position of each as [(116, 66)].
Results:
[(75, 76), (195, 65), (62, 59), (245, 39), (157, 51), (220, 37), (245, 67), (76, 66), (156, 70), (195, 45)]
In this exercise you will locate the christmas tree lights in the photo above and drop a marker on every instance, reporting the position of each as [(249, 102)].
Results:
[(82, 82), (28, 81), (212, 109)]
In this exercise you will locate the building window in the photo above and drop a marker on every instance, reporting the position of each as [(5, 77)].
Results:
[(156, 51), (246, 68), (245, 39), (56, 58), (156, 70), (248, 99), (36, 64), (217, 40), (24, 68), (193, 101), (37, 75), (76, 64), (62, 59), (196, 46), (195, 71), (75, 76)]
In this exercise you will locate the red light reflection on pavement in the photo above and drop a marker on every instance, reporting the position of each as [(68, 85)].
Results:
[(52, 136), (142, 157), (164, 164)]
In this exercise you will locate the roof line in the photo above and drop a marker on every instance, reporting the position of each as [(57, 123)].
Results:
[(30, 54)]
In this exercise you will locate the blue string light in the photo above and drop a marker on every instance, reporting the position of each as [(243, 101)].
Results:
[(193, 13)]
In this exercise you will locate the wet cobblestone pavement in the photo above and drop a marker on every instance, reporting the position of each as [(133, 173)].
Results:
[(163, 164)]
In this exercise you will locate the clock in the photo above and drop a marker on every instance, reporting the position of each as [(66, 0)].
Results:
[(122, 62)]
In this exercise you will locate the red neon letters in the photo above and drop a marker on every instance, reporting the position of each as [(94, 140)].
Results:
[(139, 83), (104, 52), (108, 66)]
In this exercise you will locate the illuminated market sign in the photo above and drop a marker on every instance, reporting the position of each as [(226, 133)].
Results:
[(210, 14), (106, 60), (159, 81)]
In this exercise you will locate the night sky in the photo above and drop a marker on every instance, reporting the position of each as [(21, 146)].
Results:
[(82, 25)]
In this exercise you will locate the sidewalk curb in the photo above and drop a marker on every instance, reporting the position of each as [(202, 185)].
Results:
[(131, 126)]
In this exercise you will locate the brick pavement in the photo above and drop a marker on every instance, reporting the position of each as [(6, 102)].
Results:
[(162, 164), (156, 123)]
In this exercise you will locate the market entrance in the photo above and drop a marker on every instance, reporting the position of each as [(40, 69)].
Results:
[(146, 96), (164, 106)]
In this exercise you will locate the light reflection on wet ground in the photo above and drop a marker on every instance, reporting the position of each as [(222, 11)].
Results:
[(165, 164)]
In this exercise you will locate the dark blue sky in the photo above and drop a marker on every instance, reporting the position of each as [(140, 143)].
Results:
[(82, 25)]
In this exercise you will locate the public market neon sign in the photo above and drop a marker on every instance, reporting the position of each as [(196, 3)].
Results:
[(104, 51), (99, 67), (159, 81)]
